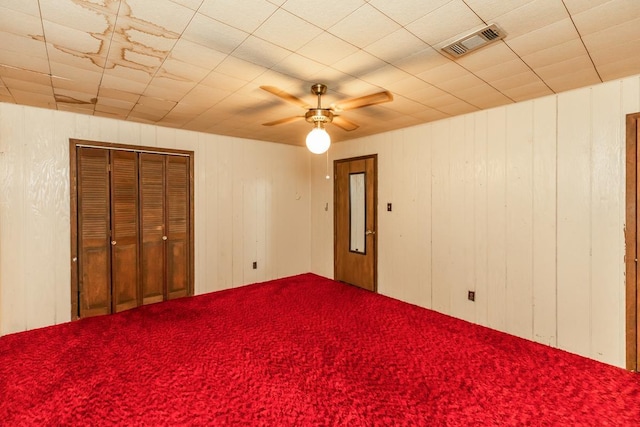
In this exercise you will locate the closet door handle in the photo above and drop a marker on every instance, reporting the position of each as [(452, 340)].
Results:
[(164, 237), (113, 242)]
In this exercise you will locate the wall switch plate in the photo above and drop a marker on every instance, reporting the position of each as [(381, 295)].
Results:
[(471, 296), (388, 207), (255, 265)]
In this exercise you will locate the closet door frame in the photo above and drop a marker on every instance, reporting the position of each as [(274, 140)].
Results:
[(73, 174)]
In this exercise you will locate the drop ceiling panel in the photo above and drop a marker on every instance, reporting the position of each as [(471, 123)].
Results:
[(531, 16), (542, 38), (405, 12), (174, 63), (246, 15), (213, 34), (396, 46), (607, 15), (363, 27), (437, 26), (310, 11)]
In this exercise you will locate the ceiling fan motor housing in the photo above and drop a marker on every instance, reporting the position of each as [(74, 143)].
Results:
[(322, 115)]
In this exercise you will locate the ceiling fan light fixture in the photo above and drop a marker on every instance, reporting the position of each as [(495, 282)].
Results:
[(318, 140)]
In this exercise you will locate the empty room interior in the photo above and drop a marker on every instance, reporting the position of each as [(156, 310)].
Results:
[(477, 169)]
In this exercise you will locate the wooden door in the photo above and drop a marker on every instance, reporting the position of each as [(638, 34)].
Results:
[(177, 226), (152, 227), (93, 232), (124, 230), (355, 221), (632, 252)]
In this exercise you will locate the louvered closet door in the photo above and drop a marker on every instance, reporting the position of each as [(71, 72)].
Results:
[(152, 229), (94, 269), (124, 229), (177, 223)]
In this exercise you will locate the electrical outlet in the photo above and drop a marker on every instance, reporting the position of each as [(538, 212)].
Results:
[(471, 296), (255, 265), (389, 207)]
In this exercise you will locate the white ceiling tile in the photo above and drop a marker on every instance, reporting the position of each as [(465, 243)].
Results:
[(173, 68), (72, 40), (395, 46), (260, 52), (359, 63), (555, 54), (449, 70), (144, 41), (422, 60), (575, 79), (576, 6), (191, 4), (489, 56), (84, 16), (580, 64), (488, 10), (246, 15), (385, 75), (523, 92), (213, 34), (610, 14), (451, 20), (222, 81), (327, 49), (364, 26), (20, 23), (287, 30), (339, 9), (299, 67), (74, 74), (160, 15), (24, 75), (125, 84), (407, 11), (500, 70), (240, 68), (23, 62), (30, 7), (609, 38), (531, 16), (544, 37), (619, 68), (22, 45), (196, 54)]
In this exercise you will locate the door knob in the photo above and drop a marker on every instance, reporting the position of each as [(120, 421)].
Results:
[(113, 242), (369, 232), (164, 237)]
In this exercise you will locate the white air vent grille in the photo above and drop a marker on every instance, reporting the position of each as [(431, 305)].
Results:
[(474, 41)]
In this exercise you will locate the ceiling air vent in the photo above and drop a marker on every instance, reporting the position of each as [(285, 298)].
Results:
[(474, 41)]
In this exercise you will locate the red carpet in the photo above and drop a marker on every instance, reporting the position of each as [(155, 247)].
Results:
[(302, 351)]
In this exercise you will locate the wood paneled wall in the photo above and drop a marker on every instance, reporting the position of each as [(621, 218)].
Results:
[(523, 204), (251, 204)]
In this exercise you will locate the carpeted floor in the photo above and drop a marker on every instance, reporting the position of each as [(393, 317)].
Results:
[(301, 351)]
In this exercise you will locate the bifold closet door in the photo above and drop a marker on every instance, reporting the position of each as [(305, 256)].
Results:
[(94, 224), (124, 229), (177, 226), (152, 228)]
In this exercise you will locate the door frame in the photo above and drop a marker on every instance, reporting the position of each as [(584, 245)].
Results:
[(632, 243), (375, 214), (73, 193)]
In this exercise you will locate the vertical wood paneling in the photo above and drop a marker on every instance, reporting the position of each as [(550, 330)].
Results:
[(544, 221), (496, 208), (467, 228), (606, 233), (225, 214), (519, 220), (25, 216), (40, 183), (13, 261), (423, 137), (480, 218), (441, 219), (64, 125), (574, 221)]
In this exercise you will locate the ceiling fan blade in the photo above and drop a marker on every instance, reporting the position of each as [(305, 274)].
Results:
[(363, 101), (286, 96), (343, 123), (283, 121)]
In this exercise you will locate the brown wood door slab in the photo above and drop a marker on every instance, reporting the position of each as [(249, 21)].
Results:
[(632, 243), (152, 228), (124, 230), (177, 223), (355, 222), (93, 222)]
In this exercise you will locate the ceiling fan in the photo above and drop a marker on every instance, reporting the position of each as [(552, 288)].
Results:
[(318, 140)]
